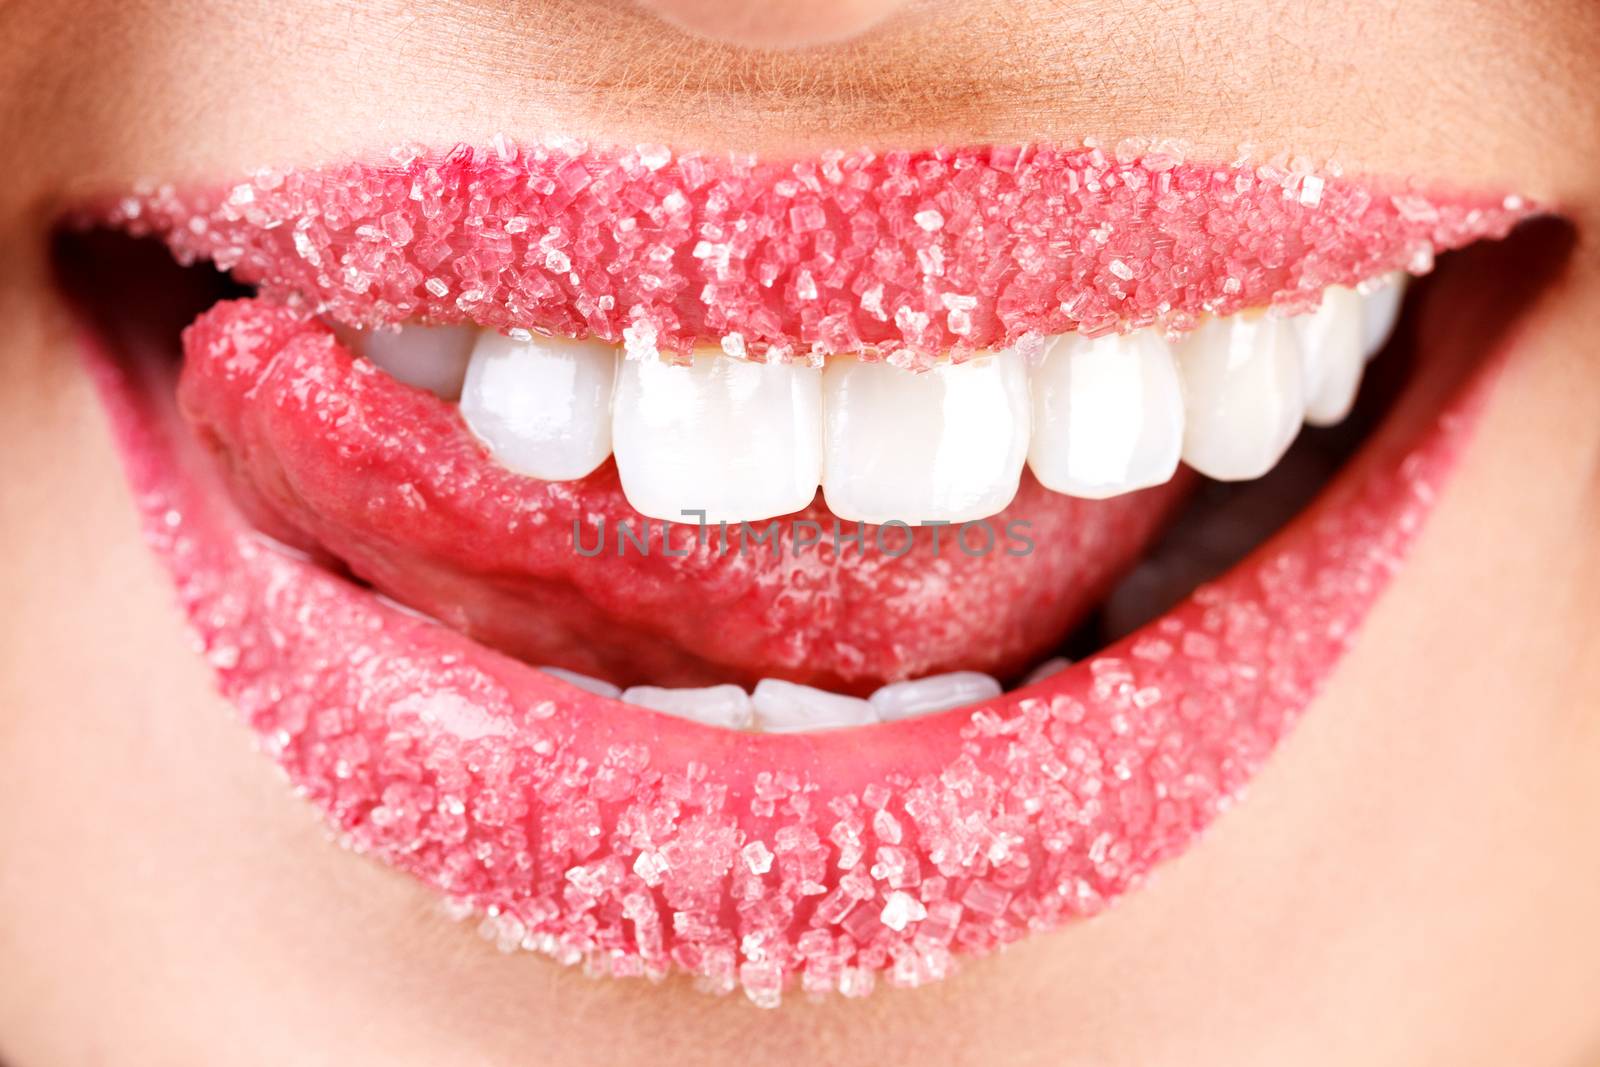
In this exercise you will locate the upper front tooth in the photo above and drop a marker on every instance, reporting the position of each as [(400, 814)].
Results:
[(735, 439), (429, 357), (543, 406), (939, 692), (1107, 414), (1330, 345), (1244, 396), (942, 444), (1380, 310)]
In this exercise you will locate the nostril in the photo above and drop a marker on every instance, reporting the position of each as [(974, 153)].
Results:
[(764, 24)]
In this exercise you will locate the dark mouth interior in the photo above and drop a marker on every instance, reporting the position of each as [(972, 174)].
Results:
[(131, 290)]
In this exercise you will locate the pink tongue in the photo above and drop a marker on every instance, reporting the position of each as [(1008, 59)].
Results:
[(335, 456)]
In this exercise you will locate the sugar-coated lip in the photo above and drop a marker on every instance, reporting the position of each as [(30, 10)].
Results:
[(909, 252), (641, 844)]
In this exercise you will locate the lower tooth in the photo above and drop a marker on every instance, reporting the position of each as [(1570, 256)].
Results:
[(1048, 669), (940, 692), (598, 686), (1244, 397), (427, 357), (718, 705), (785, 707)]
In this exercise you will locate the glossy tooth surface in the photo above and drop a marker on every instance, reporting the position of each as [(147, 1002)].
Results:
[(1380, 311), (939, 692), (1107, 414), (785, 707), (738, 440), (717, 705), (598, 686), (1243, 393), (1330, 349), (945, 444), (542, 406), (429, 357)]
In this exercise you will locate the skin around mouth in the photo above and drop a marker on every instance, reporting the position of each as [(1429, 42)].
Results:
[(647, 845)]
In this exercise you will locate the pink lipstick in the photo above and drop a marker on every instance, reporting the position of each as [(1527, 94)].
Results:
[(913, 252), (382, 643)]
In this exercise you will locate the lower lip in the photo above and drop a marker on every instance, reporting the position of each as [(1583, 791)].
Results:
[(641, 844)]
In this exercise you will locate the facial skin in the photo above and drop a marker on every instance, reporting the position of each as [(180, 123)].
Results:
[(164, 900), (774, 26)]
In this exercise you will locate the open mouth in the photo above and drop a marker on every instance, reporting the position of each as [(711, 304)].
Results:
[(788, 574)]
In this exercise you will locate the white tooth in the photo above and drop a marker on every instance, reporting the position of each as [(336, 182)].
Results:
[(1107, 414), (1243, 394), (1330, 348), (939, 692), (429, 357), (738, 440), (1049, 668), (786, 708), (1380, 310), (598, 686), (945, 444), (717, 705), (542, 406)]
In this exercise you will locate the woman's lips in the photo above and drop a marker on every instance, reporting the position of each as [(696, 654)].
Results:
[(595, 831), (922, 252), (644, 844)]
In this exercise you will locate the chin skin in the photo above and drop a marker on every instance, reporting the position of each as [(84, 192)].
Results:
[(160, 882)]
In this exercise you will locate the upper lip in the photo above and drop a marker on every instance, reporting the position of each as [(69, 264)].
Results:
[(919, 251), (648, 843)]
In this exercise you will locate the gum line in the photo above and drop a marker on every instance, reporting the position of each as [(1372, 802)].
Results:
[(642, 845), (907, 254)]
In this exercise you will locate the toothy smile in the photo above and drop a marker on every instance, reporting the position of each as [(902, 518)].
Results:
[(878, 475), (739, 440)]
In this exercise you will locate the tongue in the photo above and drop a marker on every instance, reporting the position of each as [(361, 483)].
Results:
[(335, 457)]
